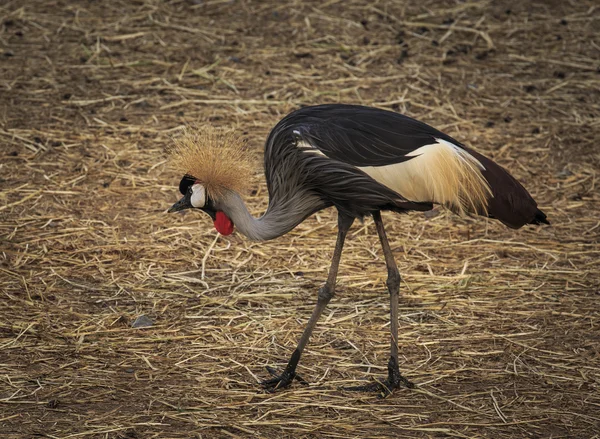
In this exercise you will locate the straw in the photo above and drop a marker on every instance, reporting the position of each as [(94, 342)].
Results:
[(499, 329)]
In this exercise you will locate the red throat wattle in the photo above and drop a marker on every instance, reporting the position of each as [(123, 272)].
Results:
[(223, 224)]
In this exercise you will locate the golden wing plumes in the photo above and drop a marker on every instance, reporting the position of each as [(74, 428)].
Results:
[(217, 158)]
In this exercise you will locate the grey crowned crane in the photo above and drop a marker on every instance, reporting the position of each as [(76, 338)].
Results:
[(360, 160)]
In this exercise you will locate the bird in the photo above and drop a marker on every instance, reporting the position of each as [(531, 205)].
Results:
[(362, 161)]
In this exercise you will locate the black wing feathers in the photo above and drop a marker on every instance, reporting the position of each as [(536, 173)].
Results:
[(360, 136), (352, 136), (333, 178)]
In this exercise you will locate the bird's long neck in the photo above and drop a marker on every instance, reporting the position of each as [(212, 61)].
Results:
[(280, 217)]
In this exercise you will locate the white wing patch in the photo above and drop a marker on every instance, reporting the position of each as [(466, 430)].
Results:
[(441, 173), (307, 147)]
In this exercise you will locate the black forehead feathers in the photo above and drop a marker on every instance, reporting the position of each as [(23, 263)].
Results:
[(185, 183)]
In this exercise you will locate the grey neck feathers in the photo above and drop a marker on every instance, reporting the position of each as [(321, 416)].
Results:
[(280, 217)]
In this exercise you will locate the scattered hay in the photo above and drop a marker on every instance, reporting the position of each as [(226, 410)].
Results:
[(498, 328)]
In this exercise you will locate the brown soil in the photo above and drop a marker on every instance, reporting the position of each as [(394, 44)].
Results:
[(499, 328)]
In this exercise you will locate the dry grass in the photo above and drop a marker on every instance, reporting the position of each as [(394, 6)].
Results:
[(499, 328)]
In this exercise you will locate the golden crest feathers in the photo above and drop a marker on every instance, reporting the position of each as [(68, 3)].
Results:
[(215, 157)]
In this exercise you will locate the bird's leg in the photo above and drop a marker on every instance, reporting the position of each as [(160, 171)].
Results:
[(394, 379), (326, 292)]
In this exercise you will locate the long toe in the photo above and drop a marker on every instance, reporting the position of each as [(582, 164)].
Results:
[(383, 388), (278, 381), (274, 384)]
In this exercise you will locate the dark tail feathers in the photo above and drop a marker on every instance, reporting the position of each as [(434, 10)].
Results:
[(540, 218), (511, 203)]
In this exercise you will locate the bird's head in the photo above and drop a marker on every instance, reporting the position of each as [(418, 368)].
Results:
[(215, 163), (195, 197)]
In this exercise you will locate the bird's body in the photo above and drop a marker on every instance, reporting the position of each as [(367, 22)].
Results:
[(361, 160)]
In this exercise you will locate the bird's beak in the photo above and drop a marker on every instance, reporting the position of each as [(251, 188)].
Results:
[(182, 204)]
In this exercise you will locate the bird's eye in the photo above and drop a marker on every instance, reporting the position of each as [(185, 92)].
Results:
[(186, 183)]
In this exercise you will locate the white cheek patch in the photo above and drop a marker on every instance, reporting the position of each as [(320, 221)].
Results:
[(198, 198)]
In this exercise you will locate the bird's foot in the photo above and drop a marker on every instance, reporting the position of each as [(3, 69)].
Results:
[(385, 388), (281, 381)]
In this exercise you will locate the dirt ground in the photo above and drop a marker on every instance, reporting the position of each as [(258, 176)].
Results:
[(499, 328)]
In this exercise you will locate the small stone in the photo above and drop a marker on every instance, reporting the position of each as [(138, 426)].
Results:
[(142, 322), (564, 173), (463, 48), (431, 213)]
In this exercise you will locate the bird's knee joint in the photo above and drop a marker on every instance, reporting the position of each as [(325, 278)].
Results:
[(325, 293), (393, 281)]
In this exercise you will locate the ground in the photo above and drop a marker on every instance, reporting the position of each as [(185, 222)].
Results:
[(499, 329)]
